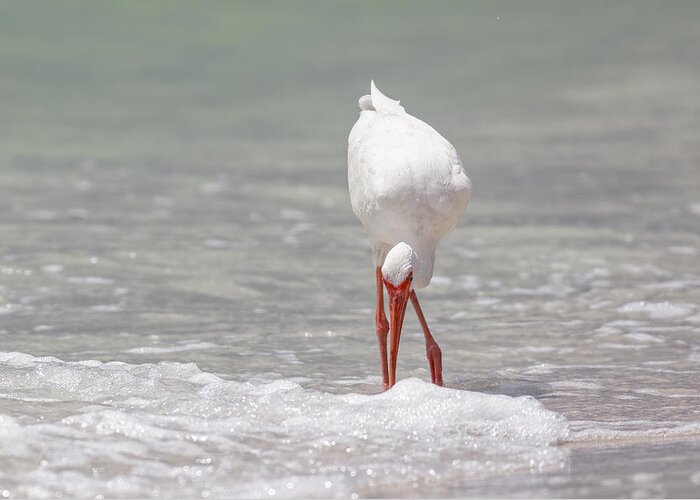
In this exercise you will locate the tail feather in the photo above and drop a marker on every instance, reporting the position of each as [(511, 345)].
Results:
[(383, 103), (377, 101)]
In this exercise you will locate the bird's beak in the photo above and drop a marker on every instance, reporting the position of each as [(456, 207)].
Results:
[(398, 299)]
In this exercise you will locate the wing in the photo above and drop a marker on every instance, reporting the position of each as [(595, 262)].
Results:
[(400, 159), (406, 181)]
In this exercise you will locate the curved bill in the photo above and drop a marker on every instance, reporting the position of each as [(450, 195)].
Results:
[(398, 299)]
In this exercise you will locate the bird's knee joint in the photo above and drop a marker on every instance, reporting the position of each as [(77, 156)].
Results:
[(434, 351), (382, 328)]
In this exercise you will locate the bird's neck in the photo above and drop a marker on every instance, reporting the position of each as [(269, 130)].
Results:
[(423, 267)]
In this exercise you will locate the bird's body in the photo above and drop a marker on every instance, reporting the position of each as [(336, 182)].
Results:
[(409, 189), (406, 182)]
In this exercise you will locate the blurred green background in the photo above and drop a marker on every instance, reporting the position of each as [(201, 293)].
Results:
[(192, 83)]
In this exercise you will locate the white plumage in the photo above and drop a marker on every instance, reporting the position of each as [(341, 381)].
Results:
[(409, 189), (406, 182)]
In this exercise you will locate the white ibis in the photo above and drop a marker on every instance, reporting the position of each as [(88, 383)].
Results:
[(409, 189)]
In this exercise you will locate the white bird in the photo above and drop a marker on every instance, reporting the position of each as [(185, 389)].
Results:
[(409, 189)]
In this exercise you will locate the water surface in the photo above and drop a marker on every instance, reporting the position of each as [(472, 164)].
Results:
[(186, 297)]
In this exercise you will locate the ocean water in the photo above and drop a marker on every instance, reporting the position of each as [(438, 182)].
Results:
[(186, 300)]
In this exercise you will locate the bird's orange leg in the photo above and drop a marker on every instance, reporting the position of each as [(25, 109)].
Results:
[(382, 328), (432, 349)]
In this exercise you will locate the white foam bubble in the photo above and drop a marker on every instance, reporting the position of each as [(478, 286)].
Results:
[(171, 428), (213, 187), (52, 268), (576, 384), (220, 243), (189, 346), (620, 431), (658, 310), (292, 214), (683, 250), (43, 328), (441, 281), (672, 285), (644, 337), (468, 282), (89, 280), (106, 308)]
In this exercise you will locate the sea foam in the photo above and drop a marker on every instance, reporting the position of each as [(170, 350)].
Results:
[(170, 428)]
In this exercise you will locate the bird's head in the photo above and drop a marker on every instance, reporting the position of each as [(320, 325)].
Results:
[(398, 265), (397, 274)]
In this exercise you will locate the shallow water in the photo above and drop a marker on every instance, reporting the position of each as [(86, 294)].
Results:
[(186, 298)]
